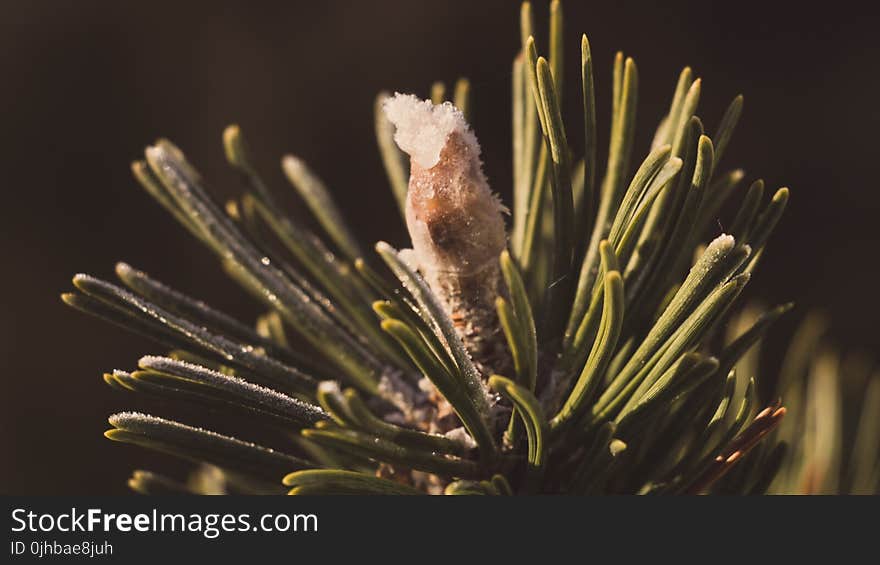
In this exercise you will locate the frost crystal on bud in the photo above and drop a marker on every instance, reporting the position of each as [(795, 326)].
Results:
[(453, 217)]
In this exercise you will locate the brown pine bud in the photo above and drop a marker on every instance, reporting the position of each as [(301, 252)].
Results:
[(453, 217)]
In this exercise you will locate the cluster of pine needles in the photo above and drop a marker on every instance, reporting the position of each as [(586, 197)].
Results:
[(627, 376)]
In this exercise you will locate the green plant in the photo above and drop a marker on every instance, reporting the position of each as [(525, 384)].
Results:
[(830, 442), (588, 360)]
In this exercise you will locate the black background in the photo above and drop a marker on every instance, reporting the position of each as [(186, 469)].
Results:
[(85, 85)]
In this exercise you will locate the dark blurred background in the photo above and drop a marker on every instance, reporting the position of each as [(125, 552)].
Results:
[(85, 85)]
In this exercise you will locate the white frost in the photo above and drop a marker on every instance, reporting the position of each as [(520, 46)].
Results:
[(723, 242), (423, 128), (461, 436)]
